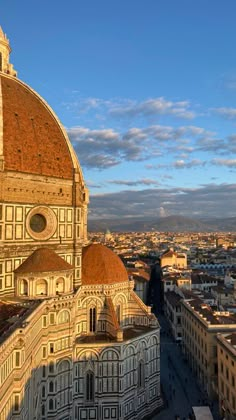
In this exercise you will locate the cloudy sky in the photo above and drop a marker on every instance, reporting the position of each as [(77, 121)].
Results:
[(147, 92)]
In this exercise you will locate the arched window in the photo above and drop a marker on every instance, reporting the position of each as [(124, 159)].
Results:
[(92, 319), (51, 405), (51, 367), (16, 403), (41, 287), (63, 366), (24, 287), (63, 317), (118, 313), (43, 391), (90, 386), (141, 376), (63, 382), (43, 410), (51, 387)]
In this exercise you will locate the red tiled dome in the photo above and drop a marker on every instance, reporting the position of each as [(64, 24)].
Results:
[(43, 260), (33, 140), (102, 266)]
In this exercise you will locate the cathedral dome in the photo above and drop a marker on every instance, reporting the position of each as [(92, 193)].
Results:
[(32, 140), (101, 266), (43, 260)]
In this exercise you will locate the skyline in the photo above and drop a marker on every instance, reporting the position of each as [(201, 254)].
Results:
[(147, 95)]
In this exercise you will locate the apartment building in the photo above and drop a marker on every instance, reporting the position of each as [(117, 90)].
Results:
[(226, 350), (173, 311), (200, 326), (175, 259)]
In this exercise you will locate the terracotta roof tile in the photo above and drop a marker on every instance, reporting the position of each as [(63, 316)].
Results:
[(102, 266), (32, 138), (43, 260), (168, 254)]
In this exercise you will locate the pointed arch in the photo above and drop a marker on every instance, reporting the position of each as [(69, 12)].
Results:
[(92, 319), (130, 350), (63, 365), (153, 341), (88, 355), (109, 354), (92, 300), (119, 313), (51, 404), (43, 392), (89, 385), (141, 374), (120, 298), (142, 346), (63, 316), (51, 386), (120, 303)]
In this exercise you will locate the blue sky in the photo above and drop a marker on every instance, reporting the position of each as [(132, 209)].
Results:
[(146, 90)]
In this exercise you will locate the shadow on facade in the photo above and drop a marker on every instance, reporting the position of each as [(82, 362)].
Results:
[(104, 379), (155, 296)]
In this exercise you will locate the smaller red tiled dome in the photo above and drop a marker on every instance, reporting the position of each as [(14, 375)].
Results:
[(102, 266), (43, 260)]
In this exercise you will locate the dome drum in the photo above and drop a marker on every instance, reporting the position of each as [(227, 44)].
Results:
[(43, 285), (43, 274)]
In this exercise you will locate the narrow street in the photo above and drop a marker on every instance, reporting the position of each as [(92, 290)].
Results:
[(180, 390)]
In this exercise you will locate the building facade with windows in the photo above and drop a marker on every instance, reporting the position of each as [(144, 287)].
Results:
[(226, 351), (200, 326), (173, 312), (76, 342), (175, 259)]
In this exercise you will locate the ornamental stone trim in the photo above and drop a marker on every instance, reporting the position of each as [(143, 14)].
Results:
[(51, 223)]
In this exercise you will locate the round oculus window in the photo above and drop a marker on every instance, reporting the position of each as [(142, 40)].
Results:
[(38, 223), (41, 223)]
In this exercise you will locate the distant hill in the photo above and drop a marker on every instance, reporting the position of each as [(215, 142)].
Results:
[(164, 224), (227, 224)]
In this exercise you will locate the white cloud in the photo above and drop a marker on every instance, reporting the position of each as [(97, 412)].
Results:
[(231, 163), (208, 200), (117, 107), (154, 106), (138, 182), (182, 164), (229, 113), (101, 148), (107, 147)]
